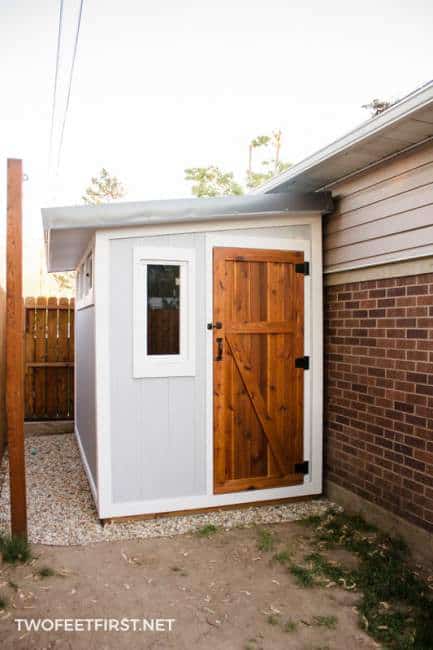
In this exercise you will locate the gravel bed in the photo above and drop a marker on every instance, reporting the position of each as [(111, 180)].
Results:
[(61, 509)]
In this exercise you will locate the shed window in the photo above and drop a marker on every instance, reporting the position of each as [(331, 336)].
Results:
[(163, 309), (163, 312)]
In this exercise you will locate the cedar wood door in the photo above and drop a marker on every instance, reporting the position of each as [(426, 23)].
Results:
[(258, 333)]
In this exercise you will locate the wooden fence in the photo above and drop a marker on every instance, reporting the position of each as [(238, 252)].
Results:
[(49, 359)]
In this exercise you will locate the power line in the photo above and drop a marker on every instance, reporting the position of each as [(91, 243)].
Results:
[(56, 76), (71, 75)]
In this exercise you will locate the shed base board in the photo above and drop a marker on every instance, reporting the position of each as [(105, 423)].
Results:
[(419, 541), (197, 511)]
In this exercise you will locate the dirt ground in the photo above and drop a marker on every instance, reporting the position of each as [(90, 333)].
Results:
[(222, 591)]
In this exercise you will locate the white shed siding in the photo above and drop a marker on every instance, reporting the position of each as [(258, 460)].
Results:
[(85, 418), (158, 425)]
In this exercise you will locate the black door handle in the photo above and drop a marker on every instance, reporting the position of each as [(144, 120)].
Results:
[(219, 343), (214, 326)]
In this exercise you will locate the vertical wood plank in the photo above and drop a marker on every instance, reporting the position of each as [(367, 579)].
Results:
[(14, 350), (63, 355), (29, 354), (51, 409), (71, 317), (219, 293), (41, 357), (257, 352)]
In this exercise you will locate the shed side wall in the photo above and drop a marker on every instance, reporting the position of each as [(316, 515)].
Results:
[(85, 385), (382, 215)]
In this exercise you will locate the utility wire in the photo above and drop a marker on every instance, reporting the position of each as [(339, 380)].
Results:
[(68, 97), (56, 76)]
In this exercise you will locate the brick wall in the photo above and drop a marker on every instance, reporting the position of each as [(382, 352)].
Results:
[(379, 393)]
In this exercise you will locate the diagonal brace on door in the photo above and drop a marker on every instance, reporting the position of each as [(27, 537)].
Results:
[(253, 390)]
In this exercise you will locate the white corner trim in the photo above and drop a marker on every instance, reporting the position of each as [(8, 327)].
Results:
[(86, 466), (182, 364), (103, 369)]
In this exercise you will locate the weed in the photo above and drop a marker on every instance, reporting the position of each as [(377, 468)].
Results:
[(3, 602), (273, 619), (290, 626), (311, 520), (14, 549), (13, 585), (304, 577), (266, 540), (207, 530), (283, 557), (326, 621), (176, 569), (46, 572), (321, 566)]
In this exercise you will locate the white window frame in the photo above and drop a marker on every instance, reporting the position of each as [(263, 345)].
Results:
[(84, 284), (170, 365)]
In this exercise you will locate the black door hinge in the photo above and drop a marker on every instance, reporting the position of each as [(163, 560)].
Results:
[(303, 267), (302, 468), (302, 362)]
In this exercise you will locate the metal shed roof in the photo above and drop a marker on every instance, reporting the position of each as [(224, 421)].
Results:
[(405, 124), (69, 229)]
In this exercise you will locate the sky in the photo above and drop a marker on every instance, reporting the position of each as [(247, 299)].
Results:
[(162, 85)]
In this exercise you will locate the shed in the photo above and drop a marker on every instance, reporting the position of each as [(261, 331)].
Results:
[(198, 348)]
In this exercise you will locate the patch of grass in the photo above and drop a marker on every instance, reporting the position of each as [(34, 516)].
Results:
[(321, 566), (311, 520), (273, 619), (207, 530), (266, 540), (14, 549), (304, 577), (290, 626), (250, 645), (396, 606), (326, 621), (283, 557), (3, 602), (46, 572)]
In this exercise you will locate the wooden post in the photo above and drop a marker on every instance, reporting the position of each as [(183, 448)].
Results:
[(14, 350)]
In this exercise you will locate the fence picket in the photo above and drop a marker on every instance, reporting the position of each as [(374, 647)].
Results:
[(49, 358)]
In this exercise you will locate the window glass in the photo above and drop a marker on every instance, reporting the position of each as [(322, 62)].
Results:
[(163, 309)]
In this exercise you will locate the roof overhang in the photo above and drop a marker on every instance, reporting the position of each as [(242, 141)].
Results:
[(404, 125), (68, 230)]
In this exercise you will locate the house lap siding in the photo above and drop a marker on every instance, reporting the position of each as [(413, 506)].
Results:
[(379, 393)]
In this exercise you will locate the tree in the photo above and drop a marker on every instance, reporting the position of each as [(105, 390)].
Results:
[(212, 181), (269, 167), (377, 106), (102, 189)]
